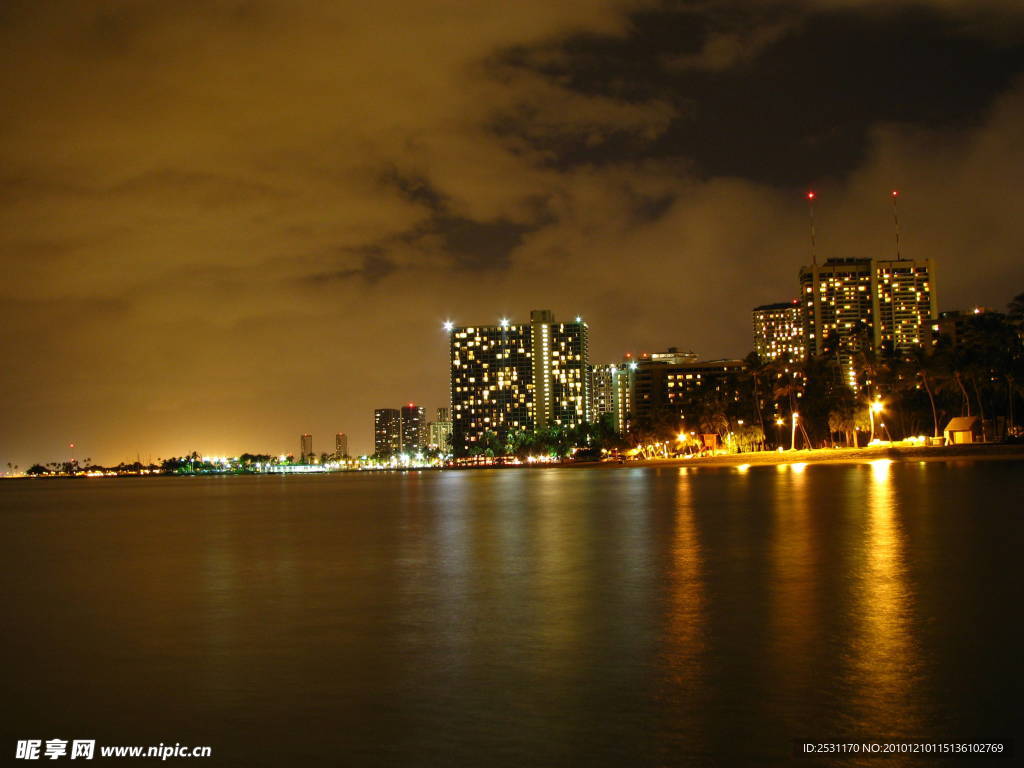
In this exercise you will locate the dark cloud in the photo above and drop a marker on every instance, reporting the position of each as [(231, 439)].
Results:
[(777, 97), (226, 223)]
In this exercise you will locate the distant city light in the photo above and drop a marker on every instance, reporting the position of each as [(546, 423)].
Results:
[(632, 366), (504, 322), (811, 194), (579, 319), (448, 325)]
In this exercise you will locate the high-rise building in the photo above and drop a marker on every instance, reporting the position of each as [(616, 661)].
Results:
[(612, 393), (387, 432), (341, 445), (306, 448), (907, 307), (852, 304), (779, 330), (413, 428), (439, 432), (518, 376)]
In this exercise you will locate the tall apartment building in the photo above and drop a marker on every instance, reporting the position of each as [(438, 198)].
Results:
[(612, 393), (439, 430), (413, 428), (306, 448), (518, 376), (779, 330), (907, 307), (387, 432), (889, 304), (341, 445)]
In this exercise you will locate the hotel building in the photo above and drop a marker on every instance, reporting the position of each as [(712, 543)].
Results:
[(387, 432), (518, 376), (779, 330), (413, 429), (611, 389), (849, 303), (439, 430)]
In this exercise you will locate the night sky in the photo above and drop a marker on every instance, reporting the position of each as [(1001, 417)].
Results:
[(225, 223)]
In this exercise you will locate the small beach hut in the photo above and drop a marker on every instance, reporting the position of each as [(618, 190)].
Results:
[(963, 429)]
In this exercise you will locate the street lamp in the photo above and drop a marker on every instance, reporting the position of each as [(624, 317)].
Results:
[(876, 407), (792, 437)]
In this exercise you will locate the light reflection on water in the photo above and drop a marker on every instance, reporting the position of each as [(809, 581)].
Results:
[(549, 616), (883, 652)]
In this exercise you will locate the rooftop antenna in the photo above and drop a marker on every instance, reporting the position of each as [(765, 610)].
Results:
[(896, 220), (811, 195)]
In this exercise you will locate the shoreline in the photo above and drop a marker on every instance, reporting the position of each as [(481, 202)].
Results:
[(844, 456), (980, 451)]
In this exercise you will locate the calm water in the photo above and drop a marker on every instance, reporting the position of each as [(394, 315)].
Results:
[(517, 618)]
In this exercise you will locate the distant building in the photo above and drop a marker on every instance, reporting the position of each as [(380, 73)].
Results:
[(387, 432), (306, 454), (612, 393), (413, 429), (518, 376), (850, 305), (443, 414), (341, 445), (907, 308), (688, 381), (438, 434), (779, 330), (664, 385)]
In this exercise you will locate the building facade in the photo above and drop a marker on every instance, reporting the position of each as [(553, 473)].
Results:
[(907, 307), (413, 429), (387, 432), (340, 445), (779, 330), (306, 448), (849, 305), (518, 376), (611, 389)]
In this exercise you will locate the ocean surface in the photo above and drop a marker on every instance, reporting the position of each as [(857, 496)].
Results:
[(542, 617)]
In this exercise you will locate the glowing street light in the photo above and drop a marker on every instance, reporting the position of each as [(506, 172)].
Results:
[(792, 437), (875, 407), (448, 325)]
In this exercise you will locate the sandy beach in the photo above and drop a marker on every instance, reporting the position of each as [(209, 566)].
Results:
[(844, 455)]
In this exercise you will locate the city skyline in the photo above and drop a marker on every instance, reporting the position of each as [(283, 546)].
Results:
[(203, 249)]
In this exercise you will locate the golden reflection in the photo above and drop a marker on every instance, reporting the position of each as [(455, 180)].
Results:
[(795, 619), (883, 654), (742, 468), (799, 466), (686, 602)]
